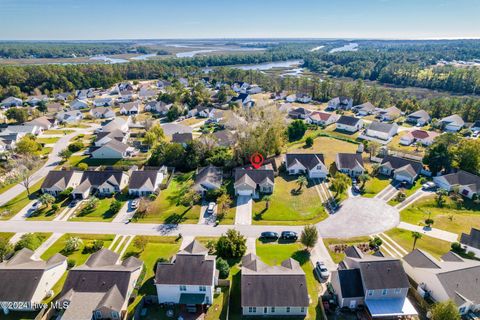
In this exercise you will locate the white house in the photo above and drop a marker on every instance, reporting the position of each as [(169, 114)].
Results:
[(322, 118), (400, 168), (28, 280), (130, 108), (78, 104), (254, 89), (381, 130), (453, 123), (69, 116), (11, 102), (471, 242), (419, 118), (189, 279), (340, 103), (426, 138), (240, 87), (116, 124), (103, 138), (451, 278), (254, 182), (364, 109), (85, 94), (389, 114), (111, 150), (350, 164), (303, 98), (243, 99), (310, 164), (349, 124), (273, 290), (102, 113), (103, 102), (468, 184), (158, 107), (57, 181), (145, 182)]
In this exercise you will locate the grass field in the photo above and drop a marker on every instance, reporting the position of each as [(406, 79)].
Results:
[(191, 121), (13, 206), (47, 140), (338, 257), (411, 149), (47, 213), (167, 207), (287, 207), (431, 245), (374, 186), (76, 160), (274, 254), (102, 212), (449, 217), (58, 132), (329, 147)]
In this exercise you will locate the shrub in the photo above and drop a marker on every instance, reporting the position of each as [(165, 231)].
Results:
[(55, 207), (223, 268), (115, 206), (75, 146), (71, 263), (457, 247), (65, 193), (30, 241), (83, 166), (309, 142), (231, 245), (93, 246)]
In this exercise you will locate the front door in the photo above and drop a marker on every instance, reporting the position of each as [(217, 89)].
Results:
[(353, 304), (265, 310)]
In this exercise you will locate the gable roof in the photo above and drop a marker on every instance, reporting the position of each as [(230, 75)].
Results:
[(58, 178), (472, 239), (141, 178), (320, 116), (187, 269), (115, 145), (382, 126), (419, 259), (182, 137), (253, 177), (420, 114), (463, 178), (308, 160), (351, 283), (195, 248), (349, 160), (400, 163), (210, 174), (453, 119), (383, 274), (367, 106), (348, 120)]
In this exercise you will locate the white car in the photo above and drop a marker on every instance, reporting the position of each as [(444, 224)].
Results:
[(211, 207), (322, 270), (428, 185), (36, 206), (134, 204)]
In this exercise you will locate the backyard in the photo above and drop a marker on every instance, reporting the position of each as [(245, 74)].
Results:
[(451, 217), (167, 208), (75, 160), (288, 206)]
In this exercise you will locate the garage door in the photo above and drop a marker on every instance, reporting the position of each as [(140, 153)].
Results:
[(399, 177), (244, 192)]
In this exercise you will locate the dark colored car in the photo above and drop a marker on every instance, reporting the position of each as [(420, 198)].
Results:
[(269, 235), (289, 235)]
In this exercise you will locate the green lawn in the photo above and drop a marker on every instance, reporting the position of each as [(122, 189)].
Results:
[(287, 207), (6, 235), (431, 245), (47, 213), (79, 256), (157, 247), (13, 206), (408, 191), (47, 140), (329, 147), (167, 207), (76, 160), (449, 217), (339, 256), (65, 132), (45, 151), (101, 213), (375, 185), (274, 254)]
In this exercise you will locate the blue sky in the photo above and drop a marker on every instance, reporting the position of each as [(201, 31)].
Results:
[(160, 19)]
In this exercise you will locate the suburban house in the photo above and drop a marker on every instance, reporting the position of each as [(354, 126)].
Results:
[(322, 118), (35, 100), (381, 130), (418, 118), (273, 290), (78, 104), (402, 169), (116, 124), (252, 182), (299, 113), (303, 98), (28, 280), (254, 89), (451, 278), (170, 128), (100, 288), (102, 113), (208, 178), (113, 149), (63, 96), (467, 183), (224, 138), (350, 164), (11, 102), (389, 114), (103, 138), (452, 123), (57, 181), (243, 98), (103, 183), (146, 93), (377, 282), (54, 107), (210, 113), (125, 96), (349, 124), (471, 242), (69, 116), (22, 130), (130, 108), (145, 182), (85, 94), (162, 84), (42, 122), (418, 136), (189, 279), (182, 138), (158, 107), (310, 164), (340, 103), (364, 109), (103, 102), (240, 87)]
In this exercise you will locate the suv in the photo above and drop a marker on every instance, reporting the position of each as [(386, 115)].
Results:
[(289, 235), (211, 207), (269, 235), (321, 270), (36, 206), (134, 204), (428, 185)]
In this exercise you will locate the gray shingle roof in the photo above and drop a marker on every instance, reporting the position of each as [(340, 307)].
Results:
[(208, 175), (349, 160), (187, 269), (383, 274), (463, 178), (308, 160), (419, 259), (396, 163), (351, 283), (139, 178), (381, 126), (57, 178), (257, 176), (472, 239), (348, 121)]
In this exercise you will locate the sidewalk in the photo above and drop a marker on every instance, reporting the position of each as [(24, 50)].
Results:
[(46, 244), (432, 232)]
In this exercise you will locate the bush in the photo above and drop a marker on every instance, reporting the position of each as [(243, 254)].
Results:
[(115, 206), (309, 142), (93, 246), (401, 196), (231, 245), (55, 207), (71, 263), (30, 241), (83, 166), (66, 193), (457, 247), (75, 146), (223, 268)]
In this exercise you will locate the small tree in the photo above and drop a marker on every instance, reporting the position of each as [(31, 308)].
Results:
[(440, 198), (309, 237), (447, 310), (223, 268), (82, 166), (92, 203), (267, 200), (26, 180), (115, 206), (223, 204), (72, 244), (190, 197), (231, 245), (416, 236), (46, 199), (429, 222), (340, 183), (301, 182), (363, 178), (309, 142), (375, 243), (65, 154), (140, 242), (5, 248)]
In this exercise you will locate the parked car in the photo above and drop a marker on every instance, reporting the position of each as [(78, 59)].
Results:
[(289, 235), (134, 204), (73, 203), (211, 207), (428, 186), (36, 205), (269, 235), (321, 270)]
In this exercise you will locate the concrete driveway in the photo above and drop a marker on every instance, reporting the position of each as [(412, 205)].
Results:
[(243, 215), (359, 217)]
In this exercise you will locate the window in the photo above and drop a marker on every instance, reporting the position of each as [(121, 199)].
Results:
[(183, 288), (265, 310), (398, 290), (384, 292), (288, 309), (272, 310), (98, 314), (252, 309), (302, 309), (114, 315), (370, 292), (203, 288), (461, 310)]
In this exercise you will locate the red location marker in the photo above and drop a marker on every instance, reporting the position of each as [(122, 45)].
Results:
[(256, 160)]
